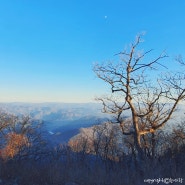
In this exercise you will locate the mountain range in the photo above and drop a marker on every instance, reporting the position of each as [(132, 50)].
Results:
[(61, 120), (64, 120)]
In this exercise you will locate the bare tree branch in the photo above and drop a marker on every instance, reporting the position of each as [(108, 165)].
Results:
[(148, 105)]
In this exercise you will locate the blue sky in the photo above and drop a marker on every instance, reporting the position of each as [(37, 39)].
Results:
[(48, 47)]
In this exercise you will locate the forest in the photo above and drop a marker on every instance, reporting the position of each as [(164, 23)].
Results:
[(134, 146)]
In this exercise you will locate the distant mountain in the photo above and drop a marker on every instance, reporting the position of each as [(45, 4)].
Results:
[(63, 130), (53, 111), (61, 120)]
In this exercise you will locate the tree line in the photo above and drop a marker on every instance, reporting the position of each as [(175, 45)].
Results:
[(144, 95)]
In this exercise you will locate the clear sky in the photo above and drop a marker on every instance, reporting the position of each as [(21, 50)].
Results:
[(48, 47)]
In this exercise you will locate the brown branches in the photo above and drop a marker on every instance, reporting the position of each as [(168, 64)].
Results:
[(150, 106)]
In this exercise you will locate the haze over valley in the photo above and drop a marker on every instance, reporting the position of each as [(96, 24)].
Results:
[(61, 120)]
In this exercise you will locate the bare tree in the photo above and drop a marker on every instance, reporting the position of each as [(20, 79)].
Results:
[(20, 136), (149, 102)]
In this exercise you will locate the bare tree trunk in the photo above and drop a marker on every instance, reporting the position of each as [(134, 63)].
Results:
[(149, 105)]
